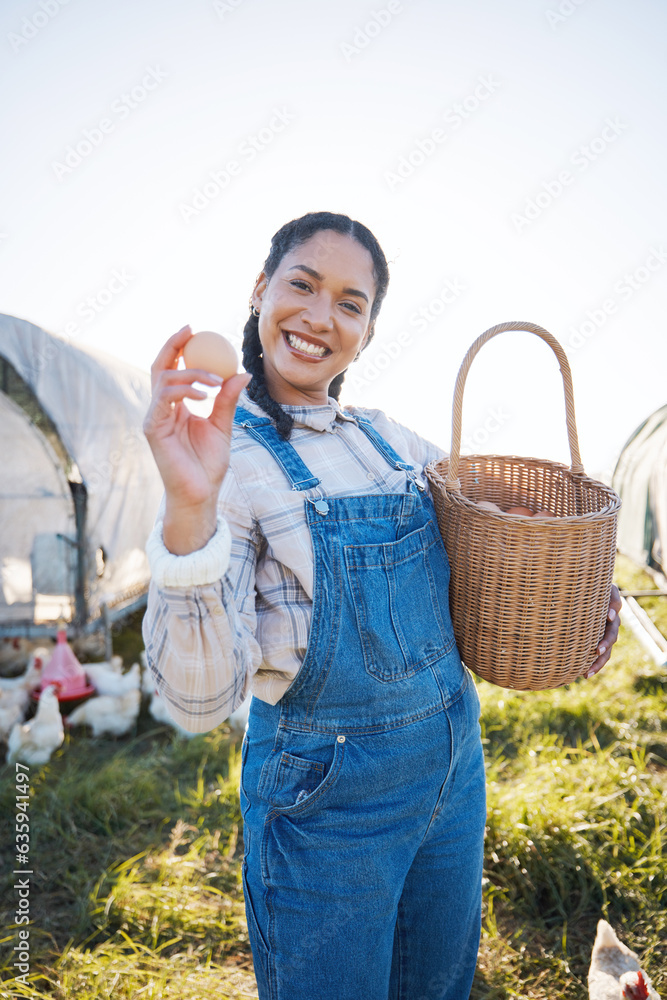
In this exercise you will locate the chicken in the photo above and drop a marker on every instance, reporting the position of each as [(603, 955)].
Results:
[(18, 697), (33, 742), (615, 972), (238, 720), (15, 692), (10, 650), (637, 986), (148, 685), (32, 676), (160, 712), (107, 680), (14, 652), (10, 714), (108, 714), (115, 665)]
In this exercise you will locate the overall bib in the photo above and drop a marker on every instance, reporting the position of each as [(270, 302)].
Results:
[(362, 790)]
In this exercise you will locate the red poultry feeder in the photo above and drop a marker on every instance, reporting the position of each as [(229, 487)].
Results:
[(65, 672)]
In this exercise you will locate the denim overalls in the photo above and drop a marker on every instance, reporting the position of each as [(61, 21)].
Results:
[(363, 790)]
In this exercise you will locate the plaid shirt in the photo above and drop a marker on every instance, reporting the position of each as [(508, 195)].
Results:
[(209, 644)]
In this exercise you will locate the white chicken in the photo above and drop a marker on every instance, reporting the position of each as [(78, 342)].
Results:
[(238, 720), (160, 712), (115, 665), (15, 651), (10, 714), (33, 742), (148, 685), (107, 680), (615, 972), (32, 675), (17, 696), (107, 713)]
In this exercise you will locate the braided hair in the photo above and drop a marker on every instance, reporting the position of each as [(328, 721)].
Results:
[(292, 235)]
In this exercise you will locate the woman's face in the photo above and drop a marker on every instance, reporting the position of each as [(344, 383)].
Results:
[(314, 316)]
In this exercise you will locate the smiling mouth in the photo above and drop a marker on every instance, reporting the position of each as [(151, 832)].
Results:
[(305, 347)]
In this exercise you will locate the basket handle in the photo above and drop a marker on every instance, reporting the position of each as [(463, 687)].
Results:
[(452, 481)]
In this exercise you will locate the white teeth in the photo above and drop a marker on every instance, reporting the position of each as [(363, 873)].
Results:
[(301, 345)]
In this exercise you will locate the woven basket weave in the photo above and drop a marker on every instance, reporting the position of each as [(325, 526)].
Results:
[(528, 598)]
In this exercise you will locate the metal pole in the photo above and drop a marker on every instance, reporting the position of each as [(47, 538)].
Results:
[(80, 495), (108, 643), (629, 618)]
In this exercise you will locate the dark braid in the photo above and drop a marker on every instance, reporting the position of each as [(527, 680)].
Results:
[(258, 389), (291, 235)]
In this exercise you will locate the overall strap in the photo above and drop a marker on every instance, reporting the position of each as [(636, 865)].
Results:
[(287, 457), (386, 449), (382, 446)]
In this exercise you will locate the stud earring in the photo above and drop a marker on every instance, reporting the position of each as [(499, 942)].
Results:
[(254, 311)]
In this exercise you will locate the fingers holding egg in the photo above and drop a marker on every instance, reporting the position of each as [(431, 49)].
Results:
[(211, 352)]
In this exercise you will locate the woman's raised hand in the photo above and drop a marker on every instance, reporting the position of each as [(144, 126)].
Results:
[(191, 452)]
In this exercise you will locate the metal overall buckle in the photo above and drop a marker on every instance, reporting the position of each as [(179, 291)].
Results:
[(320, 504), (419, 483)]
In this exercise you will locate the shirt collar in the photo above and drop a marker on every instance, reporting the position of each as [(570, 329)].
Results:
[(318, 418)]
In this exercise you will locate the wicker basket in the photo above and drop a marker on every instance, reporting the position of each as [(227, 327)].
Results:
[(528, 598)]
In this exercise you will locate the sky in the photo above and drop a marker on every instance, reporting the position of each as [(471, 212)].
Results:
[(510, 159)]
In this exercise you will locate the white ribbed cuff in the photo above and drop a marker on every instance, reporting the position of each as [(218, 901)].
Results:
[(206, 565)]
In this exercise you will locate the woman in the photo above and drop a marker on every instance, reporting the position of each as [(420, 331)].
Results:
[(297, 554)]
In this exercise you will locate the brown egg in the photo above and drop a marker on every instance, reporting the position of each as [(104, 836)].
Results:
[(519, 511), (211, 352), (544, 513), (489, 505)]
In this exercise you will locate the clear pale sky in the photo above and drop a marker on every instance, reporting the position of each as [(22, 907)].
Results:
[(509, 157)]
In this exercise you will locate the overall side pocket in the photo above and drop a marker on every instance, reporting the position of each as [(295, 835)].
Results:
[(300, 785)]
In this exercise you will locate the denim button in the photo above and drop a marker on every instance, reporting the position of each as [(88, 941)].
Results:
[(341, 739)]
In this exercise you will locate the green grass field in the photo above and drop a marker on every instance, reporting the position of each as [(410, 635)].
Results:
[(137, 845)]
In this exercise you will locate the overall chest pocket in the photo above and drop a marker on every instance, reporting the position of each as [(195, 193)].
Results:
[(401, 602)]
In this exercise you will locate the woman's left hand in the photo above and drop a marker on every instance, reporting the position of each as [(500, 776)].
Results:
[(610, 633)]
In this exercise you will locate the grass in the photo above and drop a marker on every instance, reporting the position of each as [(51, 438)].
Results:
[(138, 889), (137, 846)]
